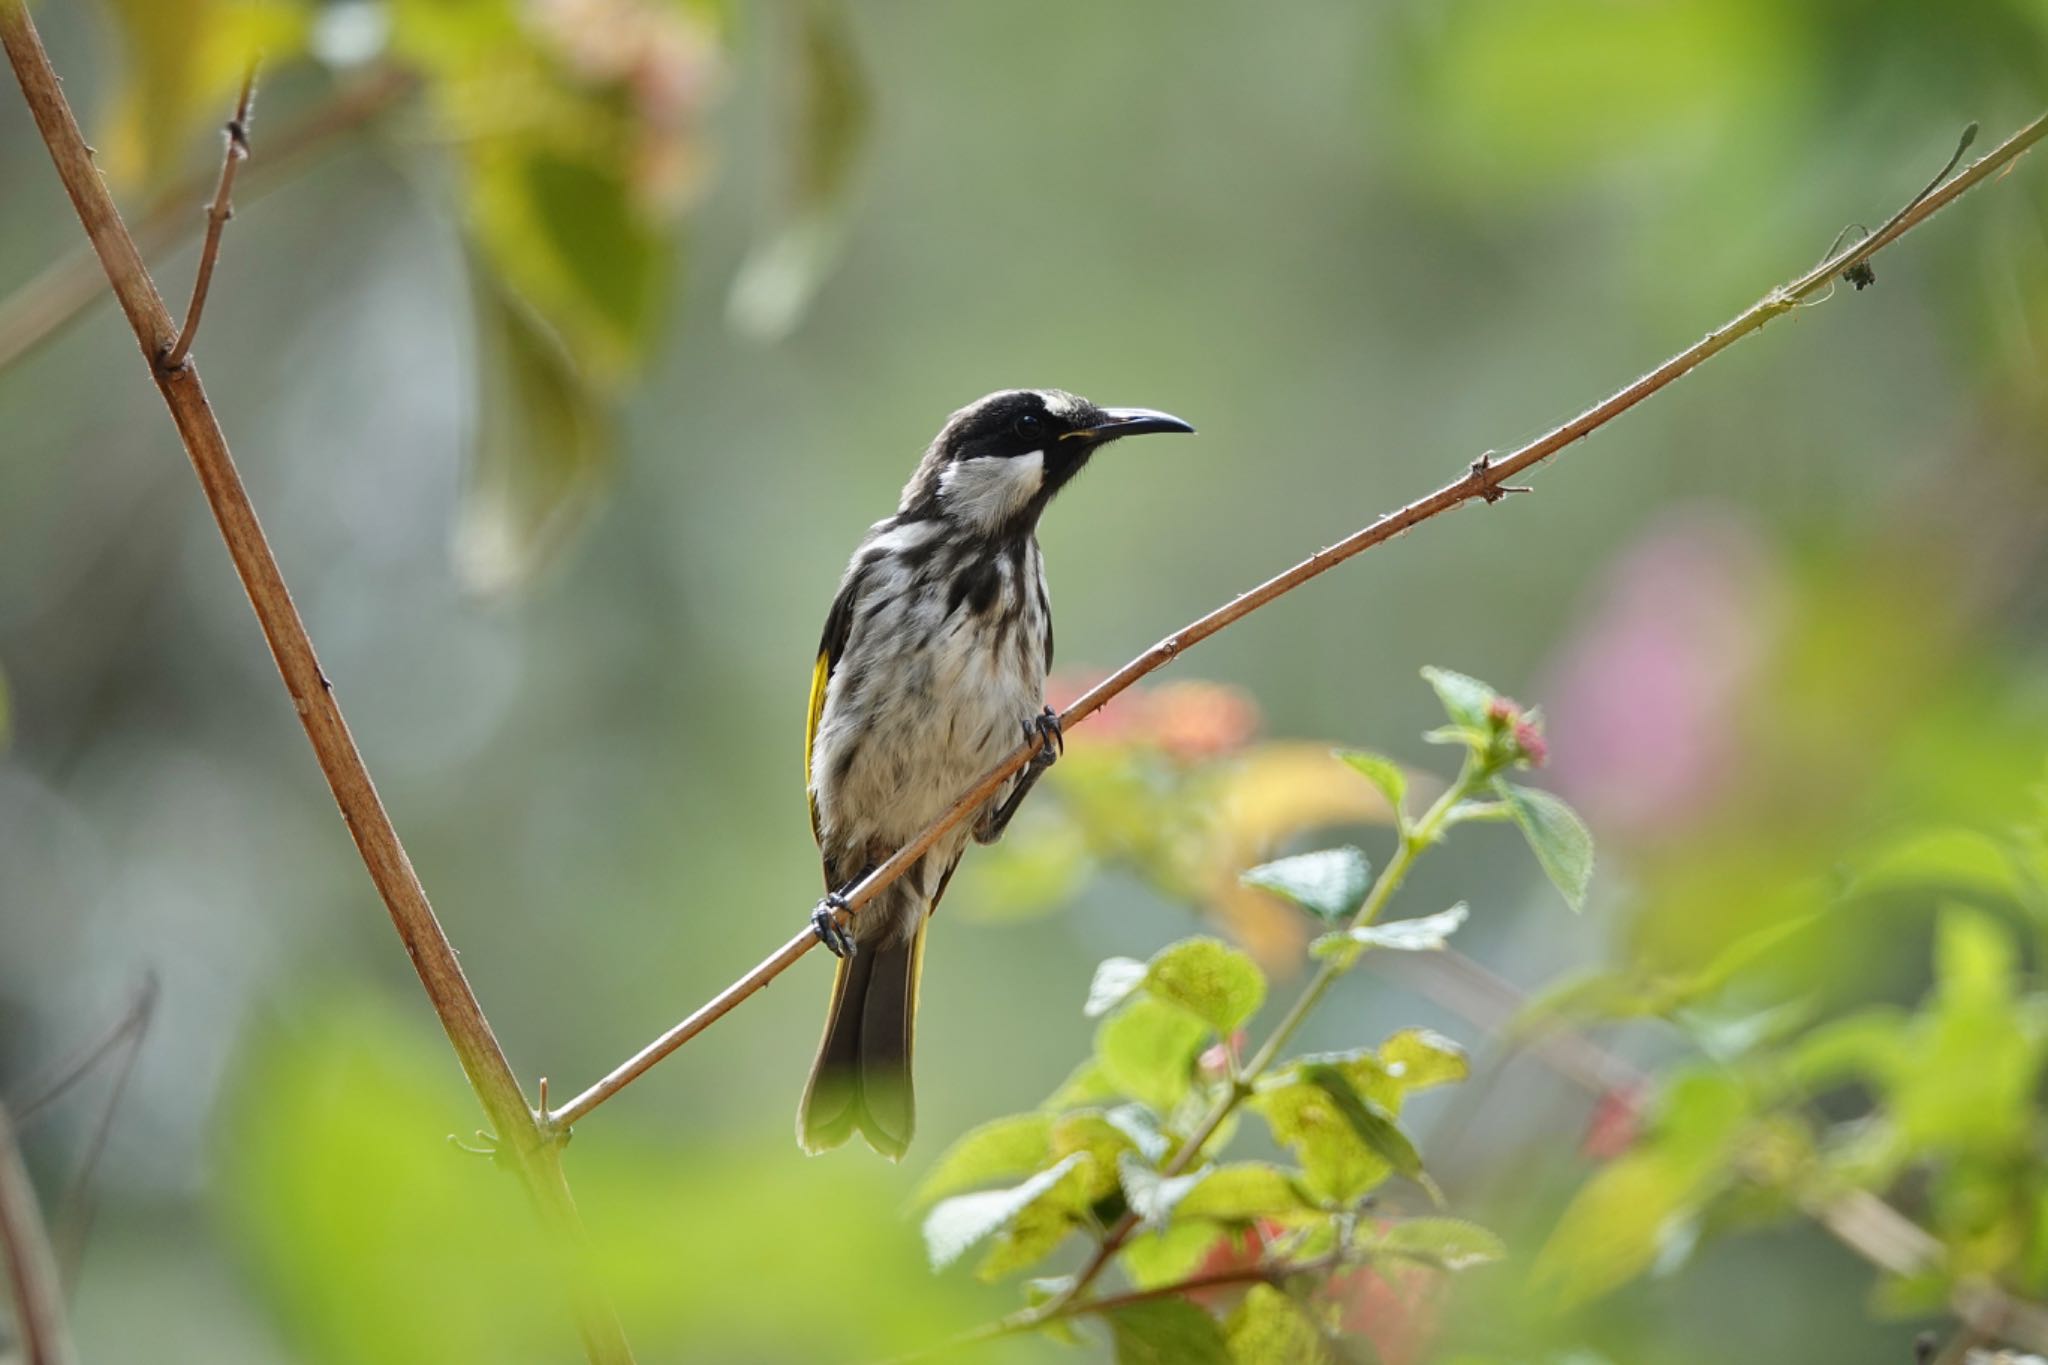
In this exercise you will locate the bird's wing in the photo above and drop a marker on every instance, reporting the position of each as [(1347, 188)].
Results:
[(838, 626)]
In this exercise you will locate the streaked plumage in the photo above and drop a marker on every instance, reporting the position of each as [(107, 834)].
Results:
[(931, 670)]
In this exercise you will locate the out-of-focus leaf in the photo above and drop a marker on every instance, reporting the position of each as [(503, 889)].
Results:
[(1941, 859), (184, 66), (1562, 843), (1115, 979), (1037, 868), (1104, 1144), (1167, 1255), (1269, 1329), (781, 275), (1330, 884), (1424, 934), (1379, 770), (1465, 700), (1450, 1243), (1152, 1196), (1001, 1149), (1243, 1191), (1147, 1051), (1167, 1332), (1139, 1124), (955, 1225), (1418, 1058), (1210, 979), (1087, 1084), (1332, 1112), (543, 445), (1620, 1220), (1373, 1125)]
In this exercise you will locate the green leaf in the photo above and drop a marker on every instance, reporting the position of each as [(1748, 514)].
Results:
[(1147, 1051), (1101, 1141), (1330, 885), (1381, 771), (1419, 1058), (1942, 859), (1115, 979), (1243, 1191), (1269, 1329), (1373, 1125), (1167, 1332), (1465, 699), (1449, 1243), (1426, 934), (955, 1225), (1001, 1149), (1209, 979), (1169, 1254), (1560, 840), (1087, 1084), (543, 445)]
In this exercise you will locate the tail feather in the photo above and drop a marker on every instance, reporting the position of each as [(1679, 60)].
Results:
[(861, 1080)]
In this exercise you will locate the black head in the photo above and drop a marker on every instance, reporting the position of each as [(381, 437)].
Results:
[(998, 461)]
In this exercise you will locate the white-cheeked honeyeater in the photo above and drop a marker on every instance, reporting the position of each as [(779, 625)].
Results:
[(931, 671)]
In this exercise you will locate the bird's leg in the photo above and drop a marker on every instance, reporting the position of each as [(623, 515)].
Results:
[(1052, 742), (837, 937)]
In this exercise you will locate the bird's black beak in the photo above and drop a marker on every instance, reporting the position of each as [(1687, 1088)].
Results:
[(1119, 422)]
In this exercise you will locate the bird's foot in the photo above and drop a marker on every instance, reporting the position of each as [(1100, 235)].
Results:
[(1052, 740), (838, 940)]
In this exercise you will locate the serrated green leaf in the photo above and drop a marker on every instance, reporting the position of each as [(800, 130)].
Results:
[(1166, 1332), (1424, 934), (1419, 1058), (1093, 1135), (1560, 840), (1449, 1243), (1243, 1191), (1330, 884), (1465, 700), (955, 1225), (1115, 979), (1147, 1049), (1209, 979), (1035, 1233), (1381, 771), (1001, 1149), (1269, 1329)]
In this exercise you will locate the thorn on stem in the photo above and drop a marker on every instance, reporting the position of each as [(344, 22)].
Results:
[(1482, 469)]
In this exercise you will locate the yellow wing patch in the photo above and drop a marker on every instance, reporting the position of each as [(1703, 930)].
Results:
[(821, 678)]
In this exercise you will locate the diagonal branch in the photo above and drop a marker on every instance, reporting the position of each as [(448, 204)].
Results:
[(217, 215), (1485, 481), (31, 1267), (520, 1141)]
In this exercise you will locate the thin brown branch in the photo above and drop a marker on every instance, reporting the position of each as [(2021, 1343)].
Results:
[(217, 215), (520, 1141), (1486, 480), (40, 309), (31, 1268)]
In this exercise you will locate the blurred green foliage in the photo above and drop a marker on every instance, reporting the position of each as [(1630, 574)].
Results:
[(1786, 620)]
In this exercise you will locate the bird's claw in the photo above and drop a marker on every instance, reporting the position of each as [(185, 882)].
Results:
[(825, 923), (1052, 740)]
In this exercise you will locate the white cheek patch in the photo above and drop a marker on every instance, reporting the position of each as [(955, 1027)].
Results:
[(991, 489)]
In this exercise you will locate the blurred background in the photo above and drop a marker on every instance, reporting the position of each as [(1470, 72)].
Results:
[(568, 346)]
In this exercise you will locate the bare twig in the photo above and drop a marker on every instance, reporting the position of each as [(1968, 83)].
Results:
[(39, 309), (31, 1269), (1486, 480), (217, 215), (519, 1139)]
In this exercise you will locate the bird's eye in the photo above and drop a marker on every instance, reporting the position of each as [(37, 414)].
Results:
[(1030, 425)]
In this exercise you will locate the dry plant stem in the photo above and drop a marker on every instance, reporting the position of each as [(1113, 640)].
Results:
[(31, 1267), (520, 1142), (217, 215), (1486, 481), (39, 309)]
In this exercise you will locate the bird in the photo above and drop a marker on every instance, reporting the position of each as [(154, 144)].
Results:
[(931, 666)]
